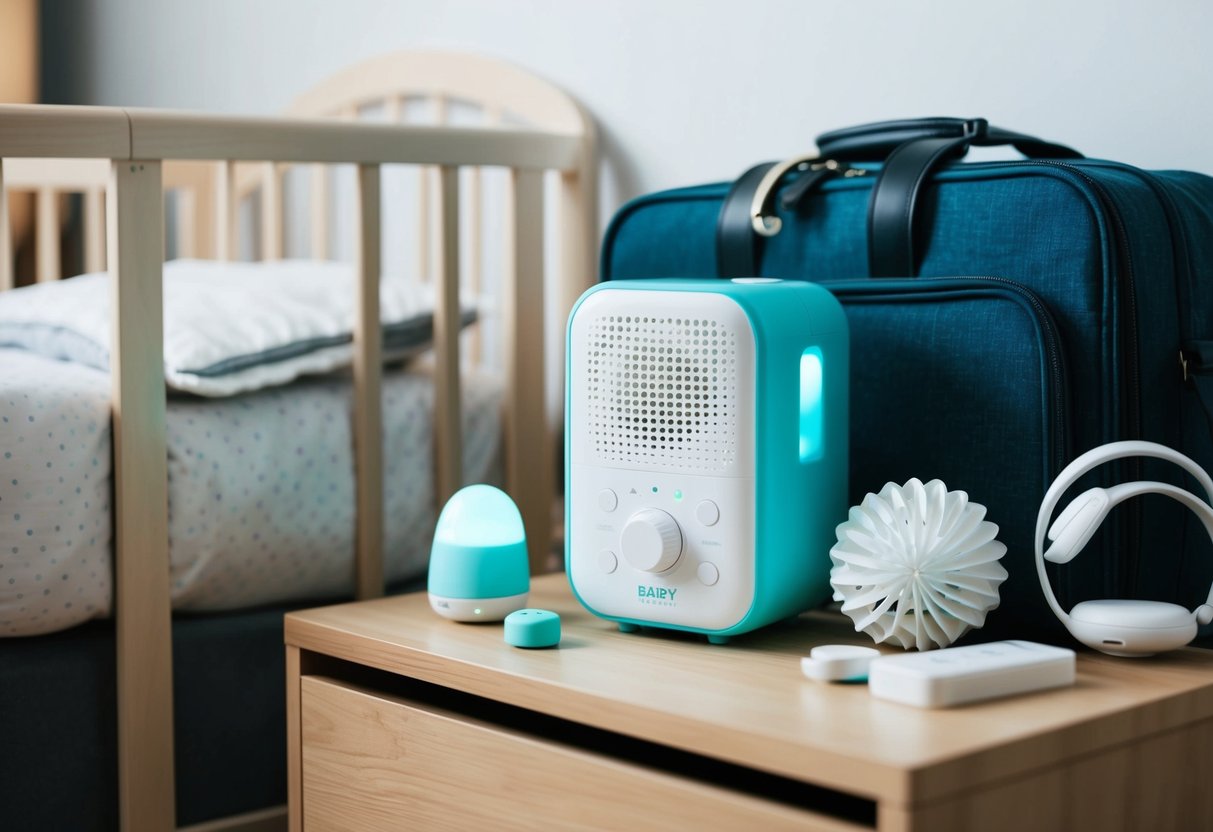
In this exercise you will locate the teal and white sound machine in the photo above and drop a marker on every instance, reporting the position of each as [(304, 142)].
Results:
[(706, 451)]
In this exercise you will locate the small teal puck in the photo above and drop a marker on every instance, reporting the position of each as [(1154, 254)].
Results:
[(532, 628)]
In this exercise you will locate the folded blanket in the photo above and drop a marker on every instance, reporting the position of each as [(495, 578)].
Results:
[(228, 327)]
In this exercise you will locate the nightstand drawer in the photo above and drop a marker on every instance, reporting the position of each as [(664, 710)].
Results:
[(372, 761)]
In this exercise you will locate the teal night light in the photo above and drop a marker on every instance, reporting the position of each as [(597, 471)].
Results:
[(478, 564), (811, 416)]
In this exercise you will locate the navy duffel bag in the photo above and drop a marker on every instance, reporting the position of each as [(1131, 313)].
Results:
[(1005, 316)]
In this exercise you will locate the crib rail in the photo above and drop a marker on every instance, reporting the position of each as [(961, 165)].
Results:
[(134, 148)]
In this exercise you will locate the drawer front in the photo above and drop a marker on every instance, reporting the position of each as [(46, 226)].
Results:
[(376, 762)]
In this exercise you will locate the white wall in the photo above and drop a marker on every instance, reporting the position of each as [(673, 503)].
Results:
[(691, 90)]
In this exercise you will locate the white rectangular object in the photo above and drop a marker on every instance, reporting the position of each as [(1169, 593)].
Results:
[(956, 675)]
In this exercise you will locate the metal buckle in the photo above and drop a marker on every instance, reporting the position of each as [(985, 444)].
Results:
[(768, 225), (976, 128)]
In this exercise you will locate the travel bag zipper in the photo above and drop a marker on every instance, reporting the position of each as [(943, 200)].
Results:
[(1132, 401), (1179, 246), (1130, 557)]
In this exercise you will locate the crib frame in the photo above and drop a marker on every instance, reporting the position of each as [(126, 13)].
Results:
[(52, 149)]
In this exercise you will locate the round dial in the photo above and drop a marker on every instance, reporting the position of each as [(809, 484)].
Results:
[(651, 540)]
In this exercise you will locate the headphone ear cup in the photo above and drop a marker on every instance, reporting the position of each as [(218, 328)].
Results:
[(1132, 628), (1076, 525)]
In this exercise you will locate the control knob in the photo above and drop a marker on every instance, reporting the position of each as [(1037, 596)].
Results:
[(651, 540)]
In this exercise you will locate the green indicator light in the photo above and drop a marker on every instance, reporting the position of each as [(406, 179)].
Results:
[(677, 495), (654, 489)]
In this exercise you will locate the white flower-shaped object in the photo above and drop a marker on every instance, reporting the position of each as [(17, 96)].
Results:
[(917, 565)]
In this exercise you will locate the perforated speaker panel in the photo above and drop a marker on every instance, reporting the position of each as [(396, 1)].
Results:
[(663, 381)]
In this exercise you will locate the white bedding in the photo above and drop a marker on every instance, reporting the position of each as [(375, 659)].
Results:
[(261, 490), (228, 327)]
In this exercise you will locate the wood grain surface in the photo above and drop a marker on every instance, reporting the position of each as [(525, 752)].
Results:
[(371, 762), (747, 702)]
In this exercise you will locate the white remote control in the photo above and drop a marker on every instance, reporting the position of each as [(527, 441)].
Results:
[(956, 675)]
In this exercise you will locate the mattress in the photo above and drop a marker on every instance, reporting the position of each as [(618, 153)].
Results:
[(261, 489)]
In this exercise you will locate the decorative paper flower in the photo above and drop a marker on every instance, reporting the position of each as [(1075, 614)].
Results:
[(917, 565)]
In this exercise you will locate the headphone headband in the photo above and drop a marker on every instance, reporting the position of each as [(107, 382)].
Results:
[(1120, 450), (1093, 459)]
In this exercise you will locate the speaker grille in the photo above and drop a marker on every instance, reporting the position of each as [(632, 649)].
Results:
[(662, 392)]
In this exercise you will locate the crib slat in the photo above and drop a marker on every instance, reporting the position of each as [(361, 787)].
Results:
[(193, 183), (448, 422), (475, 270), (94, 230), (135, 222), (6, 238), (424, 226), (226, 211), (320, 212), (186, 224), (368, 369), (475, 265), (576, 226), (271, 212), (425, 203), (529, 480), (48, 235)]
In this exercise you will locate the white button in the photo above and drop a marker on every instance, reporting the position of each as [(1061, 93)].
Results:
[(707, 513), (607, 561), (651, 540), (607, 501), (708, 574)]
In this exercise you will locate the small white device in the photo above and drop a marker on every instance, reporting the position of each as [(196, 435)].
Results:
[(956, 675), (838, 662), (1118, 627)]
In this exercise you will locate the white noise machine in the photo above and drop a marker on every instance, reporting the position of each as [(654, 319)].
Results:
[(706, 451)]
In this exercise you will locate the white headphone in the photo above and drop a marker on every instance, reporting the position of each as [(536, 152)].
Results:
[(1119, 628)]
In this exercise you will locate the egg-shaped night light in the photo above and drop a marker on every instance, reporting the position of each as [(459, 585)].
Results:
[(478, 564)]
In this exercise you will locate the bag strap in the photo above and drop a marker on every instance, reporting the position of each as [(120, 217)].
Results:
[(738, 250), (893, 205), (746, 217), (911, 149), (874, 142)]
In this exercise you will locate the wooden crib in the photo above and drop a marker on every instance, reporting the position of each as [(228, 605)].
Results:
[(124, 161)]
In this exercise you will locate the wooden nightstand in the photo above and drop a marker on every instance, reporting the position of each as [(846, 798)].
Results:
[(400, 719)]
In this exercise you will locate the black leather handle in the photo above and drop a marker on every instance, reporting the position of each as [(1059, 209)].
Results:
[(893, 206), (737, 246), (875, 142), (911, 149)]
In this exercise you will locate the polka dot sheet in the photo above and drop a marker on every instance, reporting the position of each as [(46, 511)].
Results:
[(261, 490), (55, 527)]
